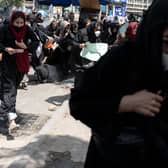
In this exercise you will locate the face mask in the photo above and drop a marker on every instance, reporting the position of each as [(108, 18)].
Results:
[(165, 61), (97, 33), (17, 28)]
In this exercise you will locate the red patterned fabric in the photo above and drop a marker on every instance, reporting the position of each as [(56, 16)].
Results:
[(22, 59)]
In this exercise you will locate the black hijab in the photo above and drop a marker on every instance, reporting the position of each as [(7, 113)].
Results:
[(149, 40)]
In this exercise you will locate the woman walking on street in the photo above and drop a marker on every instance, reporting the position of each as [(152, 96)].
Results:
[(15, 45)]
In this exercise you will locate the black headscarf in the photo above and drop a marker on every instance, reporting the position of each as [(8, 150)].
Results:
[(149, 38)]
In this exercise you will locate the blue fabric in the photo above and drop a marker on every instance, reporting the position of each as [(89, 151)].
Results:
[(59, 2), (67, 2), (120, 1), (45, 2), (104, 2)]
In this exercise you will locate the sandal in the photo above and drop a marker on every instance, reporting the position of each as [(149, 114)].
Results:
[(12, 127)]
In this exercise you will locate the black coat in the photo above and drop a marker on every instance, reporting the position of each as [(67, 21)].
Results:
[(7, 40), (96, 103), (123, 71), (10, 77)]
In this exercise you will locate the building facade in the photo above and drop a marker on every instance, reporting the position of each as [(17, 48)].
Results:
[(116, 7), (137, 6), (30, 4), (126, 7)]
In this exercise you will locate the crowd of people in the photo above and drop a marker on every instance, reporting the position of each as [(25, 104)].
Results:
[(53, 51), (122, 97), (61, 41)]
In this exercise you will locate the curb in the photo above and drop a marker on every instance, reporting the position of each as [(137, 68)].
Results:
[(24, 160), (58, 114)]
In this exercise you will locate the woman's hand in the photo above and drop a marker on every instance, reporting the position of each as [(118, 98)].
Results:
[(10, 50), (1, 57), (21, 44), (82, 45), (142, 102)]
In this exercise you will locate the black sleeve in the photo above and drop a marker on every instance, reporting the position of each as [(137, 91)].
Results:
[(2, 36), (71, 41), (48, 31), (95, 102), (79, 36), (32, 46)]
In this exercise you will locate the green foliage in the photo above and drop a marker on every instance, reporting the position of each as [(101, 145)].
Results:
[(9, 3)]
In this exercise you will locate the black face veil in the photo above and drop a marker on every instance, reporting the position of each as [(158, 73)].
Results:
[(149, 35)]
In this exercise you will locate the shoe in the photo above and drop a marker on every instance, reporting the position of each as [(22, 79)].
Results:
[(13, 127), (23, 85)]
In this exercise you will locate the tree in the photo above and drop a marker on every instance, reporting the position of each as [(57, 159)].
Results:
[(10, 3)]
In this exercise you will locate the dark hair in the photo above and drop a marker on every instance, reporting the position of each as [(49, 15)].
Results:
[(17, 14)]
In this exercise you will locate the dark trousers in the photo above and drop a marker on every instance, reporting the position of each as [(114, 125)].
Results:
[(8, 89)]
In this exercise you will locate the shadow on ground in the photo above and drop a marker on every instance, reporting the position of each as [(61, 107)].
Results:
[(29, 124), (58, 100), (49, 152), (33, 80)]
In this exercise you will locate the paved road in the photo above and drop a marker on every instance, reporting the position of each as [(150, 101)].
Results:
[(47, 139)]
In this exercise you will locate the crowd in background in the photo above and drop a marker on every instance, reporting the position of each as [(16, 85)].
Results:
[(62, 40), (52, 50)]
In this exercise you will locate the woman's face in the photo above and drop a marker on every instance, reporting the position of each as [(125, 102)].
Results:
[(165, 41), (19, 22)]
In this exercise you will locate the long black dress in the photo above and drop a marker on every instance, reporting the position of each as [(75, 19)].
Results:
[(126, 139)]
